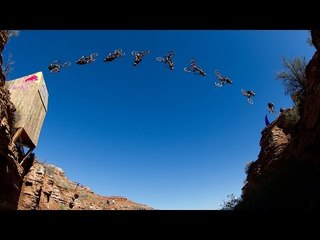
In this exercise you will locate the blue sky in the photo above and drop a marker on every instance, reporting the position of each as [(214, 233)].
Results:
[(168, 139)]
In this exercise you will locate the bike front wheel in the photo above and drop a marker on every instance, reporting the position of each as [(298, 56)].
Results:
[(187, 69), (160, 59), (218, 84), (66, 64), (145, 52), (250, 100), (93, 55)]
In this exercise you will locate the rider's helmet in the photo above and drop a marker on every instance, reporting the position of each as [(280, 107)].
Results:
[(270, 105)]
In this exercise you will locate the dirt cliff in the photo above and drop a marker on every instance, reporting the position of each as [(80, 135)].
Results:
[(45, 187), (286, 174), (10, 170)]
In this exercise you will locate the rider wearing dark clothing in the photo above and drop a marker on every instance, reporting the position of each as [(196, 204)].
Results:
[(169, 61), (227, 80), (112, 56), (271, 107), (88, 59), (137, 58), (196, 68), (200, 71), (171, 65), (117, 53), (83, 60), (109, 58), (250, 93), (54, 67)]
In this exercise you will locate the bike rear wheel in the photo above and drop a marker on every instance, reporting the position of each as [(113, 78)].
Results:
[(56, 62), (171, 53), (218, 74), (193, 61), (244, 93)]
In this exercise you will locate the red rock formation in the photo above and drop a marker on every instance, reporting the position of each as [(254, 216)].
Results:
[(10, 170), (46, 187), (286, 174)]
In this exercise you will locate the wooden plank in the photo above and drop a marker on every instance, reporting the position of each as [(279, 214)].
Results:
[(30, 97), (17, 134), (26, 156)]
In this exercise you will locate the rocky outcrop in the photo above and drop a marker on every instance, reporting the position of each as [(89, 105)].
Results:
[(10, 170), (46, 187), (273, 143), (286, 174)]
